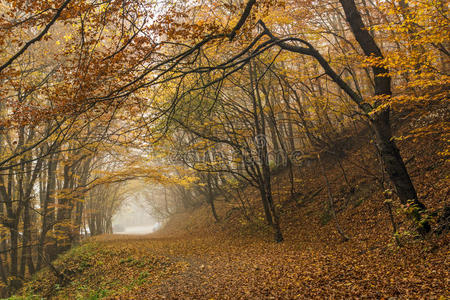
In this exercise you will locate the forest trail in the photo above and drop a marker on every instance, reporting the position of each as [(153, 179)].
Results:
[(194, 257), (262, 134), (216, 267)]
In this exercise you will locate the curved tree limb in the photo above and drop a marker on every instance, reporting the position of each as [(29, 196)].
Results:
[(37, 38)]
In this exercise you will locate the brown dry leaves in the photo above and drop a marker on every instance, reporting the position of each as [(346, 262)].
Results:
[(196, 258), (205, 267)]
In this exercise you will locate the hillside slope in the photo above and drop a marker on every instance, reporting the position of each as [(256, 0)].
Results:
[(194, 257)]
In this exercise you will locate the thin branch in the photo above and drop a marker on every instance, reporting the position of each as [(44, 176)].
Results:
[(37, 38)]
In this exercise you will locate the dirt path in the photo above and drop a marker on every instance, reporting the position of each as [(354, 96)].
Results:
[(215, 267)]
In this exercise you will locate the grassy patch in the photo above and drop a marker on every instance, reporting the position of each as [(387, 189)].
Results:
[(98, 270)]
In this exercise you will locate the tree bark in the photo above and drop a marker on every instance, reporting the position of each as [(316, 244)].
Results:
[(263, 155), (210, 196), (390, 154), (48, 213)]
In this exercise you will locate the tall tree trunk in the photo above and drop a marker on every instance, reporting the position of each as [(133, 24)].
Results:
[(15, 216), (210, 196), (3, 273), (79, 208), (263, 155), (30, 179), (265, 203), (27, 259), (392, 160), (48, 214), (63, 214)]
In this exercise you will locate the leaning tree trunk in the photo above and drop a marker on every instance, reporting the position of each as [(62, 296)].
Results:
[(396, 169), (392, 159), (390, 155)]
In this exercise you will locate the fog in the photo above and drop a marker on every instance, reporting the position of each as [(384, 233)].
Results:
[(133, 218)]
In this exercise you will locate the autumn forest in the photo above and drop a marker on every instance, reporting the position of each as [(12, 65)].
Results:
[(288, 149)]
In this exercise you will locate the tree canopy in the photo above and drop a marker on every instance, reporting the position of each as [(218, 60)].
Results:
[(185, 103)]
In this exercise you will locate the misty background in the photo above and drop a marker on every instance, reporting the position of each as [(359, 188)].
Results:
[(133, 218)]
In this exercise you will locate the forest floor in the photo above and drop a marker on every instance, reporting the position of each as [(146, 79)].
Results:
[(133, 267), (194, 257)]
